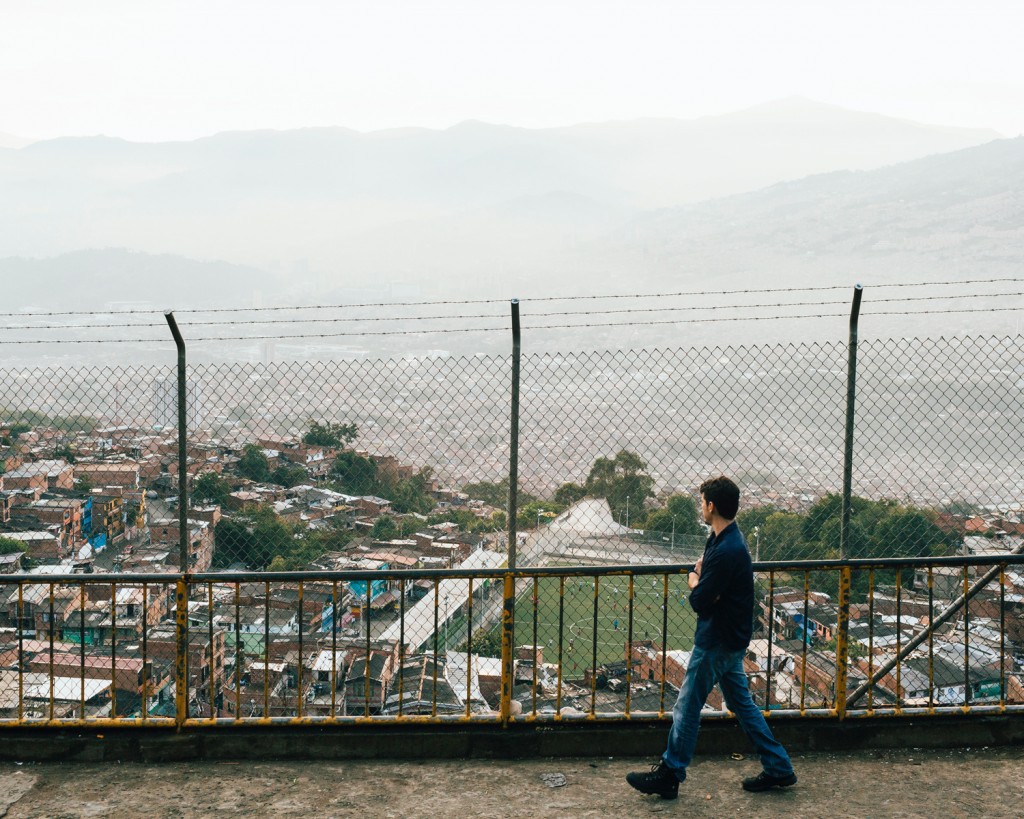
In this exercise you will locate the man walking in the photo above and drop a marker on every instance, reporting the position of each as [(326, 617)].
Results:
[(722, 594)]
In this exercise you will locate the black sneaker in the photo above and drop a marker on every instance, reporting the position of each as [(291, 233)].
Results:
[(659, 780), (765, 781)]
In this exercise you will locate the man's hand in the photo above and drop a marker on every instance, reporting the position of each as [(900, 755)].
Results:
[(693, 578)]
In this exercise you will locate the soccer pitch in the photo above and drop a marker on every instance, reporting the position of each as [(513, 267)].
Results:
[(650, 606)]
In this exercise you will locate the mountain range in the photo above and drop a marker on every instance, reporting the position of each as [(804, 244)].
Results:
[(784, 194)]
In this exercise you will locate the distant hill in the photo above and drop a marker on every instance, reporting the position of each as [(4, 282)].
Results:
[(12, 141), (942, 218), (94, 289), (326, 199), (956, 212), (117, 279)]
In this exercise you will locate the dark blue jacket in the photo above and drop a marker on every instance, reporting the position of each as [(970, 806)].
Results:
[(724, 597)]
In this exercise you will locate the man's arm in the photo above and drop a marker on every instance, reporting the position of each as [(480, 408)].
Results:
[(706, 582), (693, 578)]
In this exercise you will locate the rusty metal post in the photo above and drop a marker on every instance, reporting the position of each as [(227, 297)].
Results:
[(181, 655), (183, 533), (513, 445), (851, 395), (842, 641), (508, 614)]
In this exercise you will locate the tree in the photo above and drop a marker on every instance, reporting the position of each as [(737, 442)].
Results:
[(233, 541), (355, 474), (9, 546), (828, 507), (330, 434), (531, 513), (496, 494), (486, 643), (854, 649), (623, 481), (211, 488), (679, 517), (384, 528), (493, 494), (289, 475), (273, 537), (411, 494), (911, 533), (569, 493), (464, 518), (753, 518), (19, 429), (254, 464), (779, 538), (254, 539), (830, 546), (497, 522)]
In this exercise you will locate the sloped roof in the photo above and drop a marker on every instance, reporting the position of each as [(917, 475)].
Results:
[(419, 620), (590, 517)]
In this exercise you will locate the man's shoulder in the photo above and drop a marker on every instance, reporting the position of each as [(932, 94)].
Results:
[(732, 538)]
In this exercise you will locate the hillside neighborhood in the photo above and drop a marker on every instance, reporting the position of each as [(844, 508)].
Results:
[(105, 502)]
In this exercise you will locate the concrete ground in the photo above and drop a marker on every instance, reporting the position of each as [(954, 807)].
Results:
[(985, 782)]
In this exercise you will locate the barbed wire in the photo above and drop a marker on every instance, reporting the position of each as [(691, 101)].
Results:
[(450, 302), (680, 309), (459, 330)]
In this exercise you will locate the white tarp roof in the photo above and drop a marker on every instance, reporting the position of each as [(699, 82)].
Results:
[(588, 521), (590, 517), (419, 620)]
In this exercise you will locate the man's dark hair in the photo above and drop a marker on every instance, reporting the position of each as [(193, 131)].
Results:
[(724, 494)]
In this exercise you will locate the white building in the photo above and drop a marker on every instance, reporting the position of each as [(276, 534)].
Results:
[(165, 402)]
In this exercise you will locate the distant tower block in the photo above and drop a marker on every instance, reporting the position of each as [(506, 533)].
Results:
[(268, 351), (165, 403)]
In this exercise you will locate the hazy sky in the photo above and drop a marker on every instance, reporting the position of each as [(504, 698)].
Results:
[(155, 70)]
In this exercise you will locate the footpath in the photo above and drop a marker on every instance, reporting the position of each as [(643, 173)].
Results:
[(965, 782)]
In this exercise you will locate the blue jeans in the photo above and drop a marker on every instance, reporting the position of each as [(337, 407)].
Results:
[(725, 667)]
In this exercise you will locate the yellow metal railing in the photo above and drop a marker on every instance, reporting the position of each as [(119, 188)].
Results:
[(842, 639)]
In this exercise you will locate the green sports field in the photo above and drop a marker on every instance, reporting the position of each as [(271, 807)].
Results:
[(650, 605)]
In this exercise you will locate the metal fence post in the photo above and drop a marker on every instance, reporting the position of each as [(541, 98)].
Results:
[(181, 653), (183, 534), (513, 462), (507, 620), (842, 641), (181, 597), (508, 615), (851, 394)]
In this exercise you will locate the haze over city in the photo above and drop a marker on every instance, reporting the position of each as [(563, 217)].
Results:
[(193, 156)]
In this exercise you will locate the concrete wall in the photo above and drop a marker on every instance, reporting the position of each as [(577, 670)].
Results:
[(644, 738)]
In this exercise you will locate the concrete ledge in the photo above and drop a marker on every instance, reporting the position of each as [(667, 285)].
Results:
[(634, 738)]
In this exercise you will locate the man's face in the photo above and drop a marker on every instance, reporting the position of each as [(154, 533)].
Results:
[(706, 509)]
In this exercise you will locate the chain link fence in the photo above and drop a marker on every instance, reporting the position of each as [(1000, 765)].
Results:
[(378, 465), (292, 465)]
